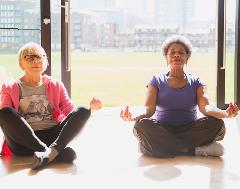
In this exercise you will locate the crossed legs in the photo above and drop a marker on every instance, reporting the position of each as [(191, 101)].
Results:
[(22, 140), (163, 140)]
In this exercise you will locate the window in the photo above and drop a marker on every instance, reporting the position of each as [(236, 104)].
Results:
[(230, 49), (118, 47), (13, 35), (116, 44)]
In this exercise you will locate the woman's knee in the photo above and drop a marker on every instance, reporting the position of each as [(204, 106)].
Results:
[(7, 111), (221, 129), (218, 126), (140, 126), (217, 123), (153, 137), (82, 112), (144, 122), (221, 124), (147, 129), (143, 138)]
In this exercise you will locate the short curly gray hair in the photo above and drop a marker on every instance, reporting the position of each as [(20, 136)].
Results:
[(28, 48), (177, 39)]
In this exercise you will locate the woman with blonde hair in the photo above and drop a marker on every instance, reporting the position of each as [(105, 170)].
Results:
[(37, 116)]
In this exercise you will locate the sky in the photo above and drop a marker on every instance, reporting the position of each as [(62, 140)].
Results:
[(203, 10), (132, 5)]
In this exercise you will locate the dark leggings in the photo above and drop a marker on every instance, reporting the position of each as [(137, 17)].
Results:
[(22, 140), (163, 140)]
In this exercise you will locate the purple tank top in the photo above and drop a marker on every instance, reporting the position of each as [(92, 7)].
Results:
[(176, 106)]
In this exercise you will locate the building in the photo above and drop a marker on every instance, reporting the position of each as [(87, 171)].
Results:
[(19, 24), (84, 30)]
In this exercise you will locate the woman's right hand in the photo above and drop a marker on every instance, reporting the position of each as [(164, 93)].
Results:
[(126, 115), (232, 110), (95, 104)]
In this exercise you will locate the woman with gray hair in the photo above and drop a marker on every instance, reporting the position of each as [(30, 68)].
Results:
[(170, 126), (37, 116)]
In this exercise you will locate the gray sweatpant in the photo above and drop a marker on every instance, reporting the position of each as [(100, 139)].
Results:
[(164, 140)]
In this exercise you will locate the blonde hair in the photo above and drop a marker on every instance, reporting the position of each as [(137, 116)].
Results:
[(177, 39), (30, 47)]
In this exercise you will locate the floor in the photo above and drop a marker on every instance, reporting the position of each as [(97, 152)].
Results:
[(108, 157)]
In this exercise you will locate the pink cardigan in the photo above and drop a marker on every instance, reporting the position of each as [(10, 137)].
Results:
[(55, 90)]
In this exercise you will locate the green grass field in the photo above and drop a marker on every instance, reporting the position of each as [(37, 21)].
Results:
[(120, 78)]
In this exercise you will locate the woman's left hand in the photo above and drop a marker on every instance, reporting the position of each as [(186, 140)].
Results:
[(232, 110), (95, 104)]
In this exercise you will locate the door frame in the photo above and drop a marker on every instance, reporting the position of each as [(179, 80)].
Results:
[(46, 30)]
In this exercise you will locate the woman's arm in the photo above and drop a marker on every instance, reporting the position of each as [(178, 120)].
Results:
[(65, 103), (150, 106), (5, 97), (150, 103), (210, 110)]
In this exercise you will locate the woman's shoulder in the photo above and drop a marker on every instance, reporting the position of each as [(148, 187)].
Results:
[(160, 76), (158, 80), (50, 80), (53, 84), (195, 79), (192, 77), (10, 84), (5, 80)]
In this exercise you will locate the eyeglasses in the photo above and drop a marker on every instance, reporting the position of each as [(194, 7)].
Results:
[(34, 57), (180, 53)]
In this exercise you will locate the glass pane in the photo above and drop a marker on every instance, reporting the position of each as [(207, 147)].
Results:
[(116, 45), (19, 24), (230, 48), (56, 38)]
